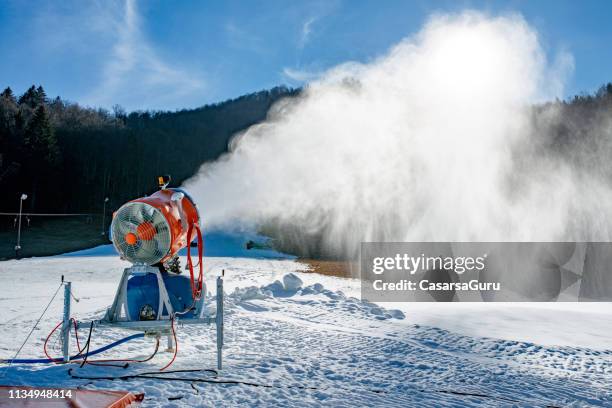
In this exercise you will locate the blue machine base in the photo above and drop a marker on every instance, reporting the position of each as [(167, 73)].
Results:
[(143, 290)]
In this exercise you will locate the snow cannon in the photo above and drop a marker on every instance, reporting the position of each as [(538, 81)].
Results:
[(149, 232), (153, 295)]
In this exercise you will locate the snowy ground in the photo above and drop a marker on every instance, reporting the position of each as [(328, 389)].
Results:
[(321, 336)]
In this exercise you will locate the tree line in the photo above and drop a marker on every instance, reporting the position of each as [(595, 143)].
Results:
[(68, 158)]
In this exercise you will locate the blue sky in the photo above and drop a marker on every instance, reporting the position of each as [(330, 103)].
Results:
[(173, 54)]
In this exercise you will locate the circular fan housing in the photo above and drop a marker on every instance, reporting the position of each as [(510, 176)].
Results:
[(141, 234)]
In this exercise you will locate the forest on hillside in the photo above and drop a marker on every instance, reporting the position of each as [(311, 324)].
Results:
[(68, 158)]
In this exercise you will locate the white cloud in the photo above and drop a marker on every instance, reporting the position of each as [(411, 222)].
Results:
[(299, 75), (306, 31), (317, 12), (242, 39), (135, 75)]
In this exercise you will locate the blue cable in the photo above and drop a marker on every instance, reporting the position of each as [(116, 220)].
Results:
[(78, 356)]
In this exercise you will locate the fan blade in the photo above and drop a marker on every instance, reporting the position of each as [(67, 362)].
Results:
[(138, 217), (141, 252), (123, 229), (159, 226), (159, 222), (156, 249)]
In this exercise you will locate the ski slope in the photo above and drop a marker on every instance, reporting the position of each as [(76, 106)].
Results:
[(311, 341)]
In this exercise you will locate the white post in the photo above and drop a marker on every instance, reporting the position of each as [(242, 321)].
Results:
[(66, 322), (104, 215), (18, 246), (219, 321)]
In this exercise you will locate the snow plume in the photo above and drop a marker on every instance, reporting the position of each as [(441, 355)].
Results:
[(431, 142)]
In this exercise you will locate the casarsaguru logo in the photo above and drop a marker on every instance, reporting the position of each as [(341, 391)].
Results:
[(427, 285)]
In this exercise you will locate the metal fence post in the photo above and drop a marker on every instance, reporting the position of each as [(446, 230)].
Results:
[(66, 322), (219, 321)]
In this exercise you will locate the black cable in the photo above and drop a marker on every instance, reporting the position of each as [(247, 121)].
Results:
[(163, 373), (124, 365), (188, 370), (157, 376), (194, 388), (109, 362), (87, 344)]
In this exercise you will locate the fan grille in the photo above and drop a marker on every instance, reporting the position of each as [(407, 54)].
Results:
[(150, 228)]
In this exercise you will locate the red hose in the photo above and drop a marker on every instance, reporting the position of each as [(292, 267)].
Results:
[(200, 252), (175, 345), (76, 334), (196, 291), (47, 340)]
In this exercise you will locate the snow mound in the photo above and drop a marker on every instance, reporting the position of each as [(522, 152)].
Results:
[(250, 293), (291, 287), (292, 282)]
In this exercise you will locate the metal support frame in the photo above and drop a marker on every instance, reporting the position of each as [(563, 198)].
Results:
[(120, 304), (158, 327), (66, 322)]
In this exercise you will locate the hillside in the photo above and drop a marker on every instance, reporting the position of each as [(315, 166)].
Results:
[(67, 158)]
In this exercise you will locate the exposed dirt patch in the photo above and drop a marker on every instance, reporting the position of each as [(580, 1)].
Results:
[(332, 268)]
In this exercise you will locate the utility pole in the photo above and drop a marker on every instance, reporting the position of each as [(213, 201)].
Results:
[(104, 216), (18, 246)]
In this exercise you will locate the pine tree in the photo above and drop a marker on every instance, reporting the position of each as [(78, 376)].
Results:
[(8, 109), (41, 95), (8, 95), (28, 98), (33, 97), (40, 138), (43, 152)]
